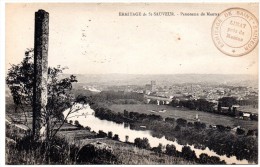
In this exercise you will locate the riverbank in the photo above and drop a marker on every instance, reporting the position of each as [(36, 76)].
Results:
[(70, 140), (219, 139)]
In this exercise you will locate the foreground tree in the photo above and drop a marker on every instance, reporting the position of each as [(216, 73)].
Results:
[(20, 82)]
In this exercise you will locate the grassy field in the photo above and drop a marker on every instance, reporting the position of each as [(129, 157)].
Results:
[(250, 109), (128, 154), (208, 118)]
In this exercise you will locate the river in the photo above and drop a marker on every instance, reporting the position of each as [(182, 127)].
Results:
[(85, 116)]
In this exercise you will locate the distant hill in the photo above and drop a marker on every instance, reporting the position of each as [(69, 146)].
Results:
[(138, 79)]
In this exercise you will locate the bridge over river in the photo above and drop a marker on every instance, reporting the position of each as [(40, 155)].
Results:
[(159, 99)]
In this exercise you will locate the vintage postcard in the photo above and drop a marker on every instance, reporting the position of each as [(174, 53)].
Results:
[(131, 83)]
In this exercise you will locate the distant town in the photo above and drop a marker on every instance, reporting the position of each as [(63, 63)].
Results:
[(245, 98)]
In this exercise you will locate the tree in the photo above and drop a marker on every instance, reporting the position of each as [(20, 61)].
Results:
[(250, 132), (170, 150), (219, 107), (181, 122), (101, 134), (116, 137), (158, 149), (142, 143), (188, 154), (76, 122), (240, 131), (20, 81), (205, 159), (170, 120), (227, 101), (199, 125), (126, 138), (221, 128), (177, 128), (126, 114), (190, 124), (110, 135)]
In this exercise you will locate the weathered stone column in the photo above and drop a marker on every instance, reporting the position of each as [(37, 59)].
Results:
[(41, 40)]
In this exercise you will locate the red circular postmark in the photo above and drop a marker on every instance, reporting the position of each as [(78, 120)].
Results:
[(235, 32)]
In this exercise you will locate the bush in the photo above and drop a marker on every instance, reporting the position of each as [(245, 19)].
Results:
[(95, 155), (28, 152), (126, 113), (126, 138), (221, 128), (101, 134), (116, 137), (170, 120), (203, 159), (188, 154), (181, 122), (190, 124), (76, 123), (88, 128), (228, 128), (142, 143), (206, 159), (250, 133), (110, 135), (240, 131), (170, 150), (177, 128), (199, 125), (157, 149)]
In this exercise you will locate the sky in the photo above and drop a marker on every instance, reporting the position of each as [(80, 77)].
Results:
[(94, 39)]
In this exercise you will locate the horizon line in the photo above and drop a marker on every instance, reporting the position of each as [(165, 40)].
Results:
[(154, 74)]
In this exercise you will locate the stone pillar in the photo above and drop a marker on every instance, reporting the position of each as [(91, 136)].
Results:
[(41, 40)]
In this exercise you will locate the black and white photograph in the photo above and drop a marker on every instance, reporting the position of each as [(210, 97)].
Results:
[(131, 83)]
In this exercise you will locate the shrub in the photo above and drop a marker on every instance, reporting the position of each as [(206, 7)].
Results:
[(101, 134), (240, 131), (126, 138), (199, 125), (76, 122), (181, 122), (126, 113), (228, 128), (88, 128), (221, 128), (142, 143), (116, 137), (206, 159), (170, 150), (27, 151), (170, 120), (177, 128), (250, 133), (190, 124), (110, 135), (188, 154), (91, 154), (157, 149)]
